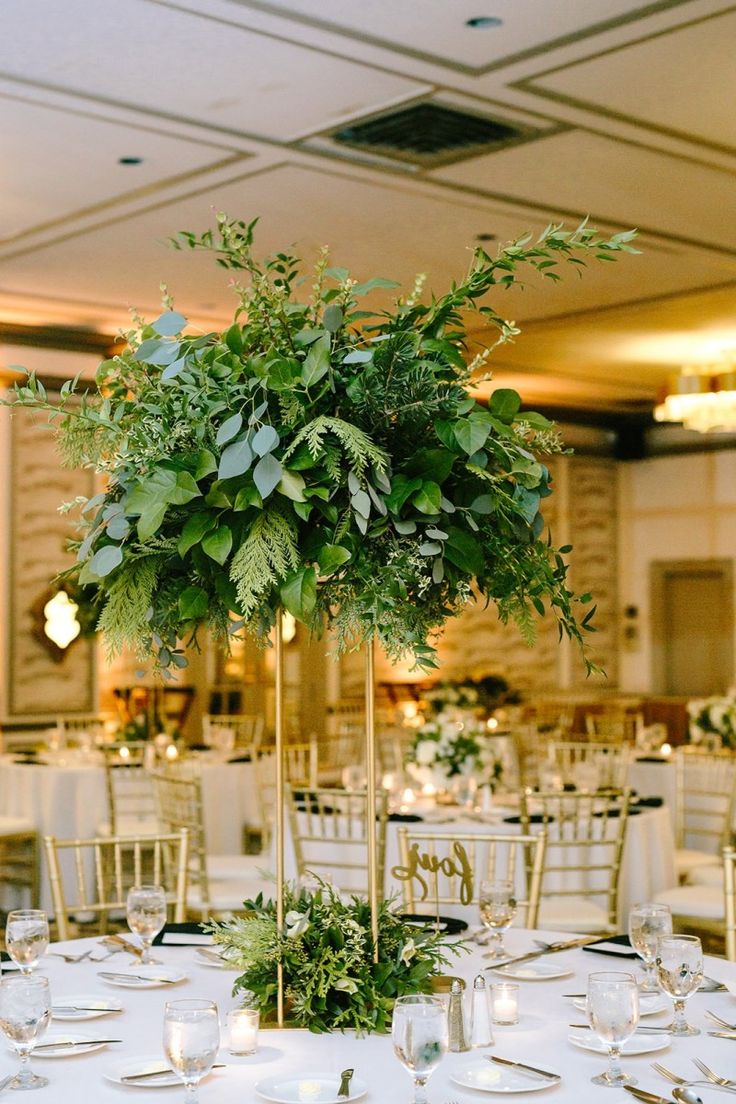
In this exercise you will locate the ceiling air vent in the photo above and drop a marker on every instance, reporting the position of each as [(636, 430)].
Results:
[(431, 134)]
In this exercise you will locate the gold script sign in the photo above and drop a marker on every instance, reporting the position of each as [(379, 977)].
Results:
[(453, 865)]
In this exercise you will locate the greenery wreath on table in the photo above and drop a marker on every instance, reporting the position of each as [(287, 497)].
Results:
[(316, 457)]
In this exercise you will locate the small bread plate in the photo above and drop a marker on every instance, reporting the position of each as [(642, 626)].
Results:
[(207, 957), (483, 1076), (142, 977), (317, 1088), (637, 1044), (533, 971), (650, 1004), (84, 1044), (146, 1071), (83, 1006)]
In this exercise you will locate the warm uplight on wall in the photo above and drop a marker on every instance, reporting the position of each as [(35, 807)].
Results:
[(703, 399), (60, 620)]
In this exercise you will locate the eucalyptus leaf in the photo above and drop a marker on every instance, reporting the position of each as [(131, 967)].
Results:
[(430, 548), (229, 428), (106, 560), (332, 318), (265, 440), (169, 324), (118, 528), (236, 459), (405, 527), (358, 356), (267, 475), (361, 503)]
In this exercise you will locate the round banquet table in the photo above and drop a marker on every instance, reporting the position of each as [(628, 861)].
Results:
[(540, 1038), (70, 801)]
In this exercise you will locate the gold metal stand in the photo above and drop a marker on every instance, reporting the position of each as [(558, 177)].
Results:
[(280, 796), (370, 766)]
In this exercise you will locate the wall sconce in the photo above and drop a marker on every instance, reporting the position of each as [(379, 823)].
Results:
[(60, 620)]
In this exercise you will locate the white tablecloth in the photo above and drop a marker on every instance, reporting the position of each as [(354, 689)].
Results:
[(70, 801), (540, 1038)]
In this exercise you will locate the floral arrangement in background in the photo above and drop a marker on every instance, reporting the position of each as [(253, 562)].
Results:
[(317, 457), (445, 748), (482, 695), (713, 717), (326, 951)]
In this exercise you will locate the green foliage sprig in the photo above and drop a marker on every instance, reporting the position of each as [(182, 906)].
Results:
[(326, 949), (318, 457)]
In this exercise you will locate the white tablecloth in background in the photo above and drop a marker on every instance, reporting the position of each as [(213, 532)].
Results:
[(654, 778), (539, 1038)]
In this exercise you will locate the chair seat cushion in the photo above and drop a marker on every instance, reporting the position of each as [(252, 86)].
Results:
[(688, 858), (711, 875), (11, 826), (572, 914), (704, 902)]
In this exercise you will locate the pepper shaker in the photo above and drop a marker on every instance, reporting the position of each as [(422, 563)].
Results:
[(457, 1041)]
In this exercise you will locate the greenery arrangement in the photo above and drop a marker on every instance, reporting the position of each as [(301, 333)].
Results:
[(326, 950), (318, 457), (481, 695), (713, 719), (447, 747)]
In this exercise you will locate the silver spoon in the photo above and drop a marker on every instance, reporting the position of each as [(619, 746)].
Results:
[(686, 1095)]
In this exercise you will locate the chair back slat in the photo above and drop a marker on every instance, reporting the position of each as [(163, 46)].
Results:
[(705, 799), (329, 829)]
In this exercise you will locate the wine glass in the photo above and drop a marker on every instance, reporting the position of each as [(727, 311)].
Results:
[(497, 901), (146, 912), (26, 937), (25, 1012), (419, 1035), (679, 972), (612, 1008), (647, 924), (191, 1041)]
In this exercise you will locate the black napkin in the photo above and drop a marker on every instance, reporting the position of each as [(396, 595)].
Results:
[(651, 759), (452, 925), (535, 818), (613, 813), (405, 818), (622, 941), (240, 759), (648, 803), (190, 928)]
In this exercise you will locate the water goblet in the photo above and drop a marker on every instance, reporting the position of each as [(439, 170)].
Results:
[(25, 1012), (679, 963), (146, 913), (497, 902), (612, 1008), (647, 924), (191, 1041), (419, 1036), (26, 937)]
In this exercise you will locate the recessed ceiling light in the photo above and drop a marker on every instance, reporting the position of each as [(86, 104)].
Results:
[(483, 22), (485, 237), (130, 160)]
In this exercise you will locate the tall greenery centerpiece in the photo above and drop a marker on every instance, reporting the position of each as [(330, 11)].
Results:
[(318, 457)]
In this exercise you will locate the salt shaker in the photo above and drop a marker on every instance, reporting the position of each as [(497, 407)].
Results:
[(481, 1033), (456, 1019)]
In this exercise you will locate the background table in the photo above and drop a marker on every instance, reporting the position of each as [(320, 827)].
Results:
[(540, 1037)]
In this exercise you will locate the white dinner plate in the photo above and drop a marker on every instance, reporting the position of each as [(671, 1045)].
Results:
[(649, 1004), (210, 960), (309, 1088), (143, 977), (143, 1063), (64, 1051), (637, 1044), (533, 971), (484, 1076), (93, 1007)]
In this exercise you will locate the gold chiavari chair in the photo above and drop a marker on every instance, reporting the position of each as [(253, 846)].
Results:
[(344, 747), (590, 766), (245, 730), (301, 762), (19, 857), (90, 727), (614, 726), (450, 880), (729, 885), (300, 769), (217, 883), (130, 799), (705, 805), (585, 841), (329, 829), (101, 870), (709, 906)]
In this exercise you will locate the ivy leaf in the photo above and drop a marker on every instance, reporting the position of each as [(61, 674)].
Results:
[(217, 545), (267, 475), (464, 551), (427, 499), (150, 520), (318, 361), (234, 339), (106, 560), (527, 503), (169, 324), (471, 435), (193, 603), (299, 593), (435, 464), (402, 489), (332, 556), (236, 459), (184, 489), (292, 486), (247, 496), (265, 440), (483, 504), (206, 464), (229, 428), (193, 531)]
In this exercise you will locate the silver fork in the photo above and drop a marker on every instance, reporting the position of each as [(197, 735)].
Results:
[(712, 1076), (669, 1075), (721, 1023), (70, 957)]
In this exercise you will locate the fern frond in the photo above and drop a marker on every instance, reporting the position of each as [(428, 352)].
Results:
[(357, 445), (129, 596), (265, 557)]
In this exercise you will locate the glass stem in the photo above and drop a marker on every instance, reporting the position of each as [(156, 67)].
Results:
[(650, 977), (680, 1023), (146, 956), (24, 1073), (420, 1090), (614, 1063), (191, 1091)]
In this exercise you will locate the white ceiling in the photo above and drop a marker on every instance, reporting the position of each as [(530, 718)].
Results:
[(228, 102)]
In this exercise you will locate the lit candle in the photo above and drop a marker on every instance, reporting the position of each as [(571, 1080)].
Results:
[(491, 723), (387, 781), (505, 998), (172, 752), (243, 1028), (124, 753), (429, 790), (666, 749)]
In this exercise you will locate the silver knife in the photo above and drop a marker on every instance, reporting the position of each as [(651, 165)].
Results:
[(73, 1043), (160, 1072), (646, 1097), (81, 1008), (139, 977), (544, 1075), (723, 1034), (642, 1029), (568, 946)]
